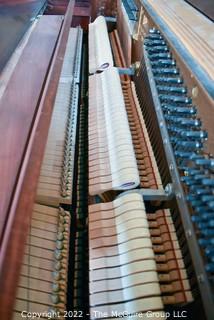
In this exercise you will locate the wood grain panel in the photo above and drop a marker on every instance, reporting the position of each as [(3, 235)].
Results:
[(205, 6), (23, 198), (15, 19), (56, 6), (193, 29), (19, 103), (18, 2)]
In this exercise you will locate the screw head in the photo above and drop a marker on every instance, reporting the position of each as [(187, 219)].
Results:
[(178, 195), (171, 167), (200, 278), (188, 233)]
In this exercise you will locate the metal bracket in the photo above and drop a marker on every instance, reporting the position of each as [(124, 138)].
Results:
[(129, 71), (154, 194), (110, 19)]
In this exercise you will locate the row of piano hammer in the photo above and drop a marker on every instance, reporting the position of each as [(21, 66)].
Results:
[(136, 264)]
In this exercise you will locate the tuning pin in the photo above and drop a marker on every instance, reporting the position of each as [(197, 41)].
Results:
[(201, 225), (202, 191), (180, 110), (205, 242), (205, 162), (183, 163), (174, 140), (191, 196), (196, 219), (195, 203), (154, 31), (154, 36), (157, 49), (194, 156), (210, 223), (190, 122), (172, 119), (174, 129), (207, 232), (165, 71), (207, 215), (153, 42), (175, 99), (210, 204), (168, 80), (190, 145), (187, 180), (204, 224), (163, 63), (199, 177), (208, 182), (203, 217), (192, 171), (209, 197), (195, 186), (156, 56), (185, 154), (195, 134), (202, 209), (209, 251), (167, 89), (210, 267)]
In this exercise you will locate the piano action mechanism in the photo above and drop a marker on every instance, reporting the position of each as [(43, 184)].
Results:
[(107, 163)]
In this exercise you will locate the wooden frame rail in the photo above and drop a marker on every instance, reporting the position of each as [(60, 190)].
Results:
[(16, 212)]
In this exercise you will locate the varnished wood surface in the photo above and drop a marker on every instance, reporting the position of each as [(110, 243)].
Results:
[(204, 6), (56, 176), (18, 2), (15, 19), (17, 226), (56, 6), (192, 28), (19, 103), (10, 66)]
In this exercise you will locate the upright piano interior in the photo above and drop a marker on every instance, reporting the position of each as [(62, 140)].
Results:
[(106, 163)]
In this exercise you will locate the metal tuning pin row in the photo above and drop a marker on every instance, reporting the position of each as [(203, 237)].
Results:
[(187, 139)]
